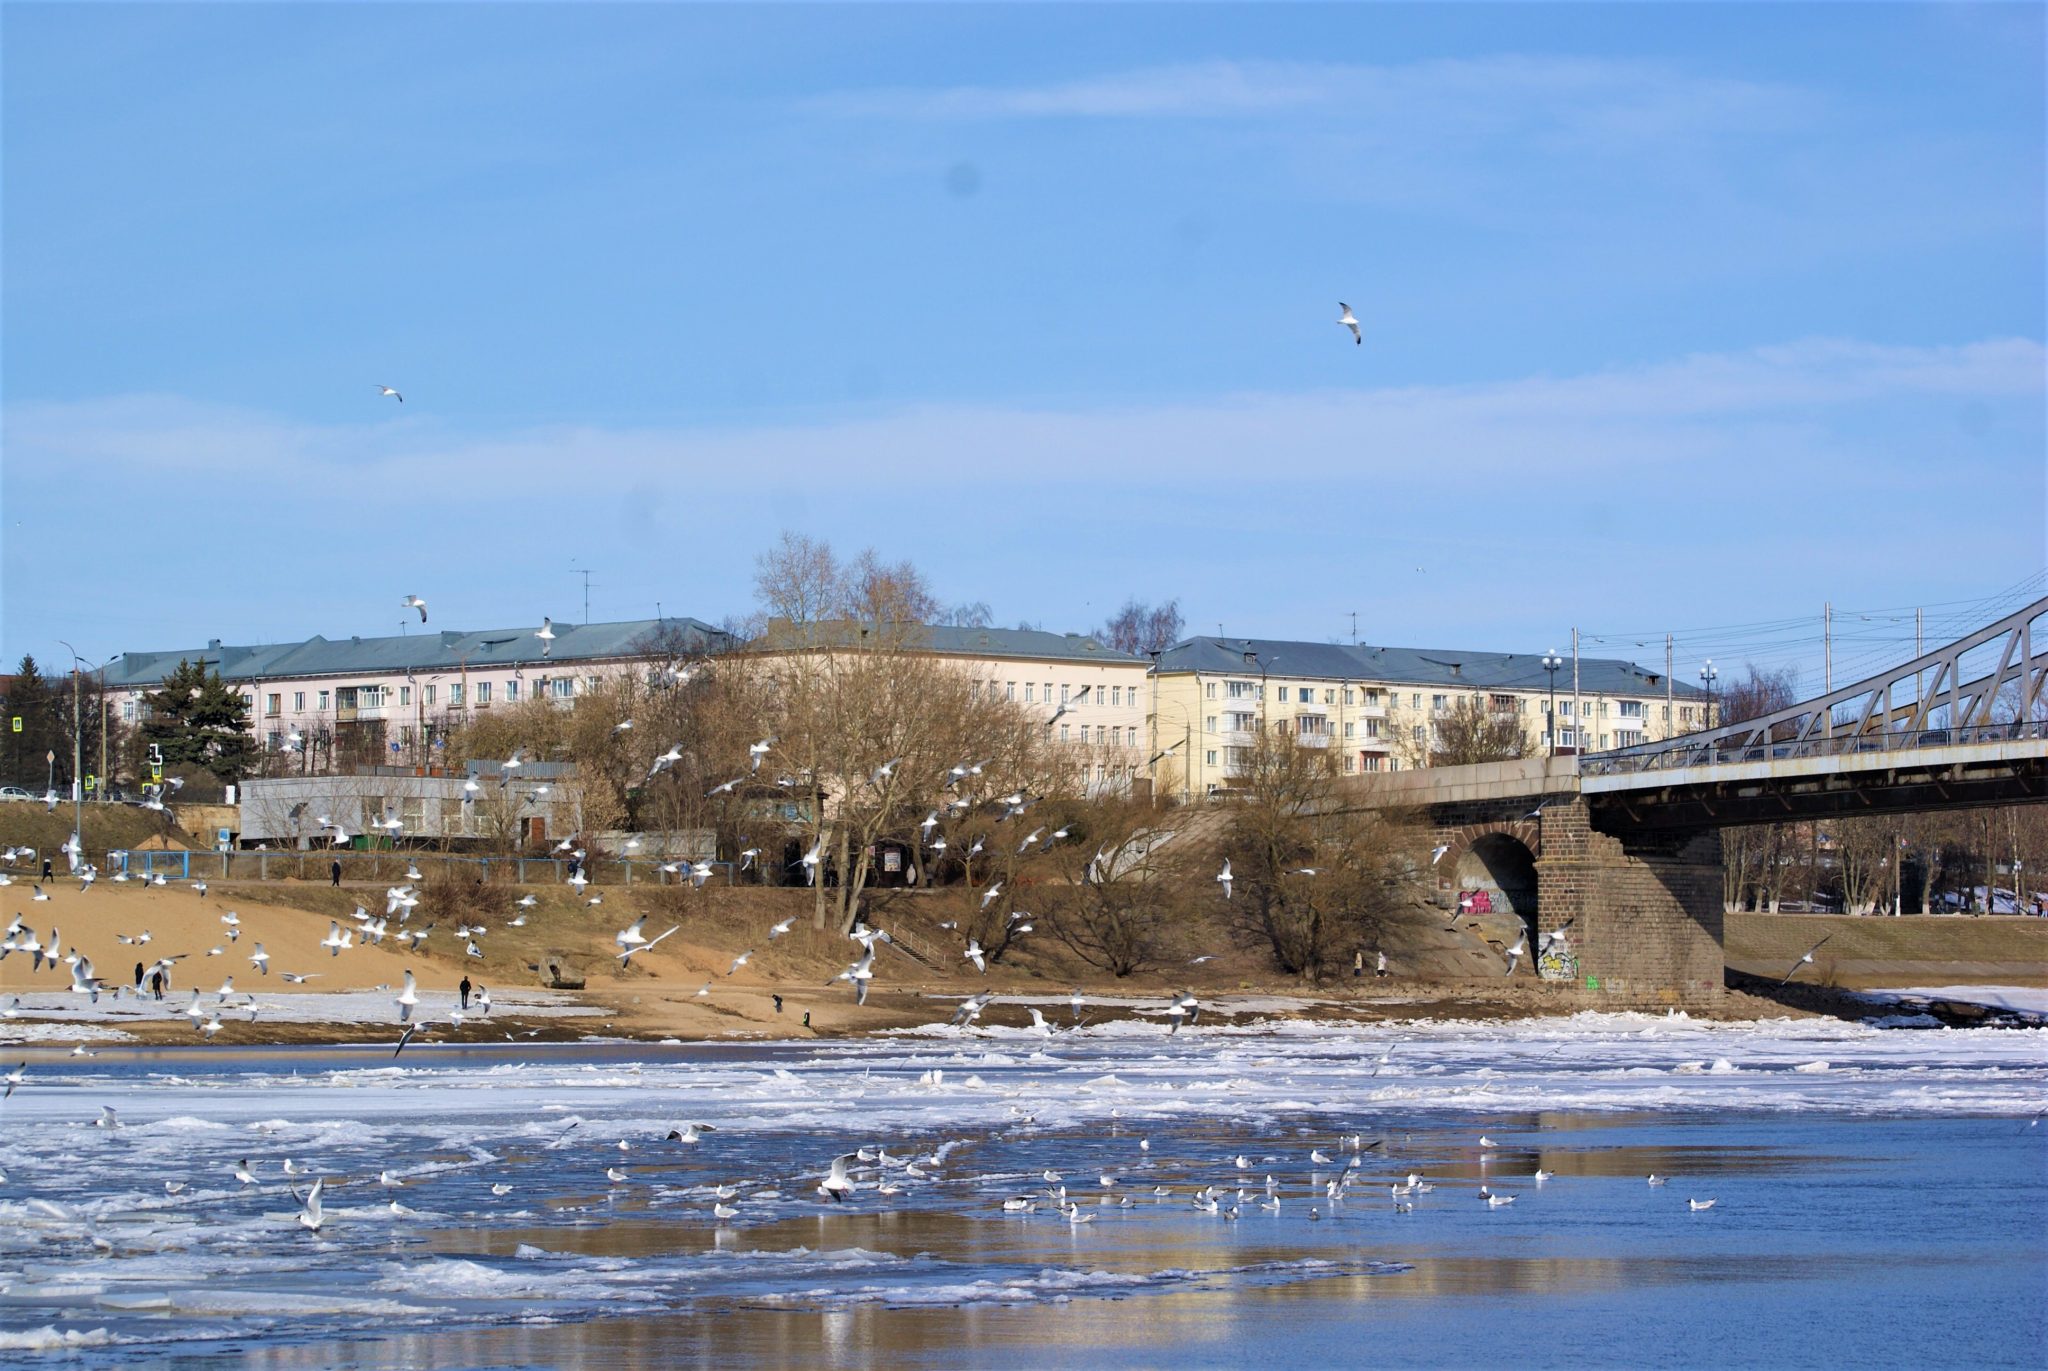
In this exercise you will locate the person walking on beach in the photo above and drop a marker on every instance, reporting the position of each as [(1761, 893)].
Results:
[(1382, 972), (334, 872), (156, 985), (1358, 963), (464, 989)]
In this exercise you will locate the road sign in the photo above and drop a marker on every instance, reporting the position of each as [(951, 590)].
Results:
[(17, 723), (50, 757), (90, 781)]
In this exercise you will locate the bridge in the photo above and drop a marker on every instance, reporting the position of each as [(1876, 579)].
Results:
[(1622, 851)]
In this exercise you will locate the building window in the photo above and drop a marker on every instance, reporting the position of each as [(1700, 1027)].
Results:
[(1667, 713), (405, 695), (1211, 693), (273, 704), (1211, 722), (1564, 707), (1368, 761), (1063, 733), (1415, 701), (1048, 692), (1350, 729), (1439, 702), (1211, 756), (405, 734), (128, 711), (1099, 735), (1347, 695), (564, 687), (1116, 696), (1350, 764), (1010, 691), (1416, 733), (512, 691), (1372, 728), (323, 701), (1030, 693), (427, 695), (299, 700), (455, 695), (483, 692), (1063, 693), (1501, 704)]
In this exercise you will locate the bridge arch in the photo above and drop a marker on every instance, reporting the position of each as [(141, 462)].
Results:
[(1499, 858)]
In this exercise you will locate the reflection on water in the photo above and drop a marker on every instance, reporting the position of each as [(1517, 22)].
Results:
[(1833, 1238)]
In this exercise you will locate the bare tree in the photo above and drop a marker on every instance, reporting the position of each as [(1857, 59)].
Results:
[(1140, 628), (1758, 860), (1477, 729), (1122, 886), (1313, 873)]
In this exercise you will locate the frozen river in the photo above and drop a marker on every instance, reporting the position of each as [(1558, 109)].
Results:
[(1222, 1197)]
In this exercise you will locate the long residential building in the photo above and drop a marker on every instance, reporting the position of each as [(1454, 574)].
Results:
[(1184, 720), (377, 699), (1091, 696), (1379, 706)]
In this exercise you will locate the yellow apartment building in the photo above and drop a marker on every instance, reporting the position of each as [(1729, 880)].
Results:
[(1377, 707)]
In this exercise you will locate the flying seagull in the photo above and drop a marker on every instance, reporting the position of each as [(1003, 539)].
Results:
[(546, 634), (1805, 959), (415, 602), (1350, 321), (387, 390)]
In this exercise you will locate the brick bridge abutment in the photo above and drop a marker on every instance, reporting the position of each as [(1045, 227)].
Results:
[(1640, 913)]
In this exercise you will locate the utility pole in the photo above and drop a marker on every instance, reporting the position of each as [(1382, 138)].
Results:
[(1578, 705), (105, 723), (1670, 726), (1827, 657)]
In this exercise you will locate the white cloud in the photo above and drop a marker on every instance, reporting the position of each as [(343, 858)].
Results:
[(1567, 99), (1588, 421)]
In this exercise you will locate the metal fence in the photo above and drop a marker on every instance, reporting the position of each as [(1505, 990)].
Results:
[(392, 868), (1677, 758)]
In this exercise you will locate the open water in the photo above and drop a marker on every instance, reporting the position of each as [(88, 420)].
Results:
[(1880, 1198)]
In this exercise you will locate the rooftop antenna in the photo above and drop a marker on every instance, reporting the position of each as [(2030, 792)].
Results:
[(584, 572), (1354, 628)]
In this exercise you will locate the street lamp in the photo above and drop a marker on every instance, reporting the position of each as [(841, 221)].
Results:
[(1552, 663), (77, 754), (1708, 675)]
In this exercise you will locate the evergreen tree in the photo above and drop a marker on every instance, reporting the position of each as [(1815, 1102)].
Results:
[(198, 722), (31, 698)]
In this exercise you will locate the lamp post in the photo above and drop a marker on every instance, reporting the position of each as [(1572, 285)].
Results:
[(77, 754), (1552, 663), (1708, 675)]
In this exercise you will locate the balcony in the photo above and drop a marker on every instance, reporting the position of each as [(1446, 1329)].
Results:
[(1312, 739), (349, 714)]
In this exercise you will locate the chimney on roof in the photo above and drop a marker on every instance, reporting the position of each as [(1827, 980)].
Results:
[(213, 644)]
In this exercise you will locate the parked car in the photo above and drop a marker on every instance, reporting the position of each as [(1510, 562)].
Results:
[(14, 792)]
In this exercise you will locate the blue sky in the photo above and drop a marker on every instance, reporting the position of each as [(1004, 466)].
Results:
[(1676, 316)]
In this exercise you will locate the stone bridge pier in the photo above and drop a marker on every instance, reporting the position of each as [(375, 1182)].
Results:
[(1640, 911)]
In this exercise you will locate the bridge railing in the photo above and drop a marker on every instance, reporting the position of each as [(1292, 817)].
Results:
[(1712, 753)]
